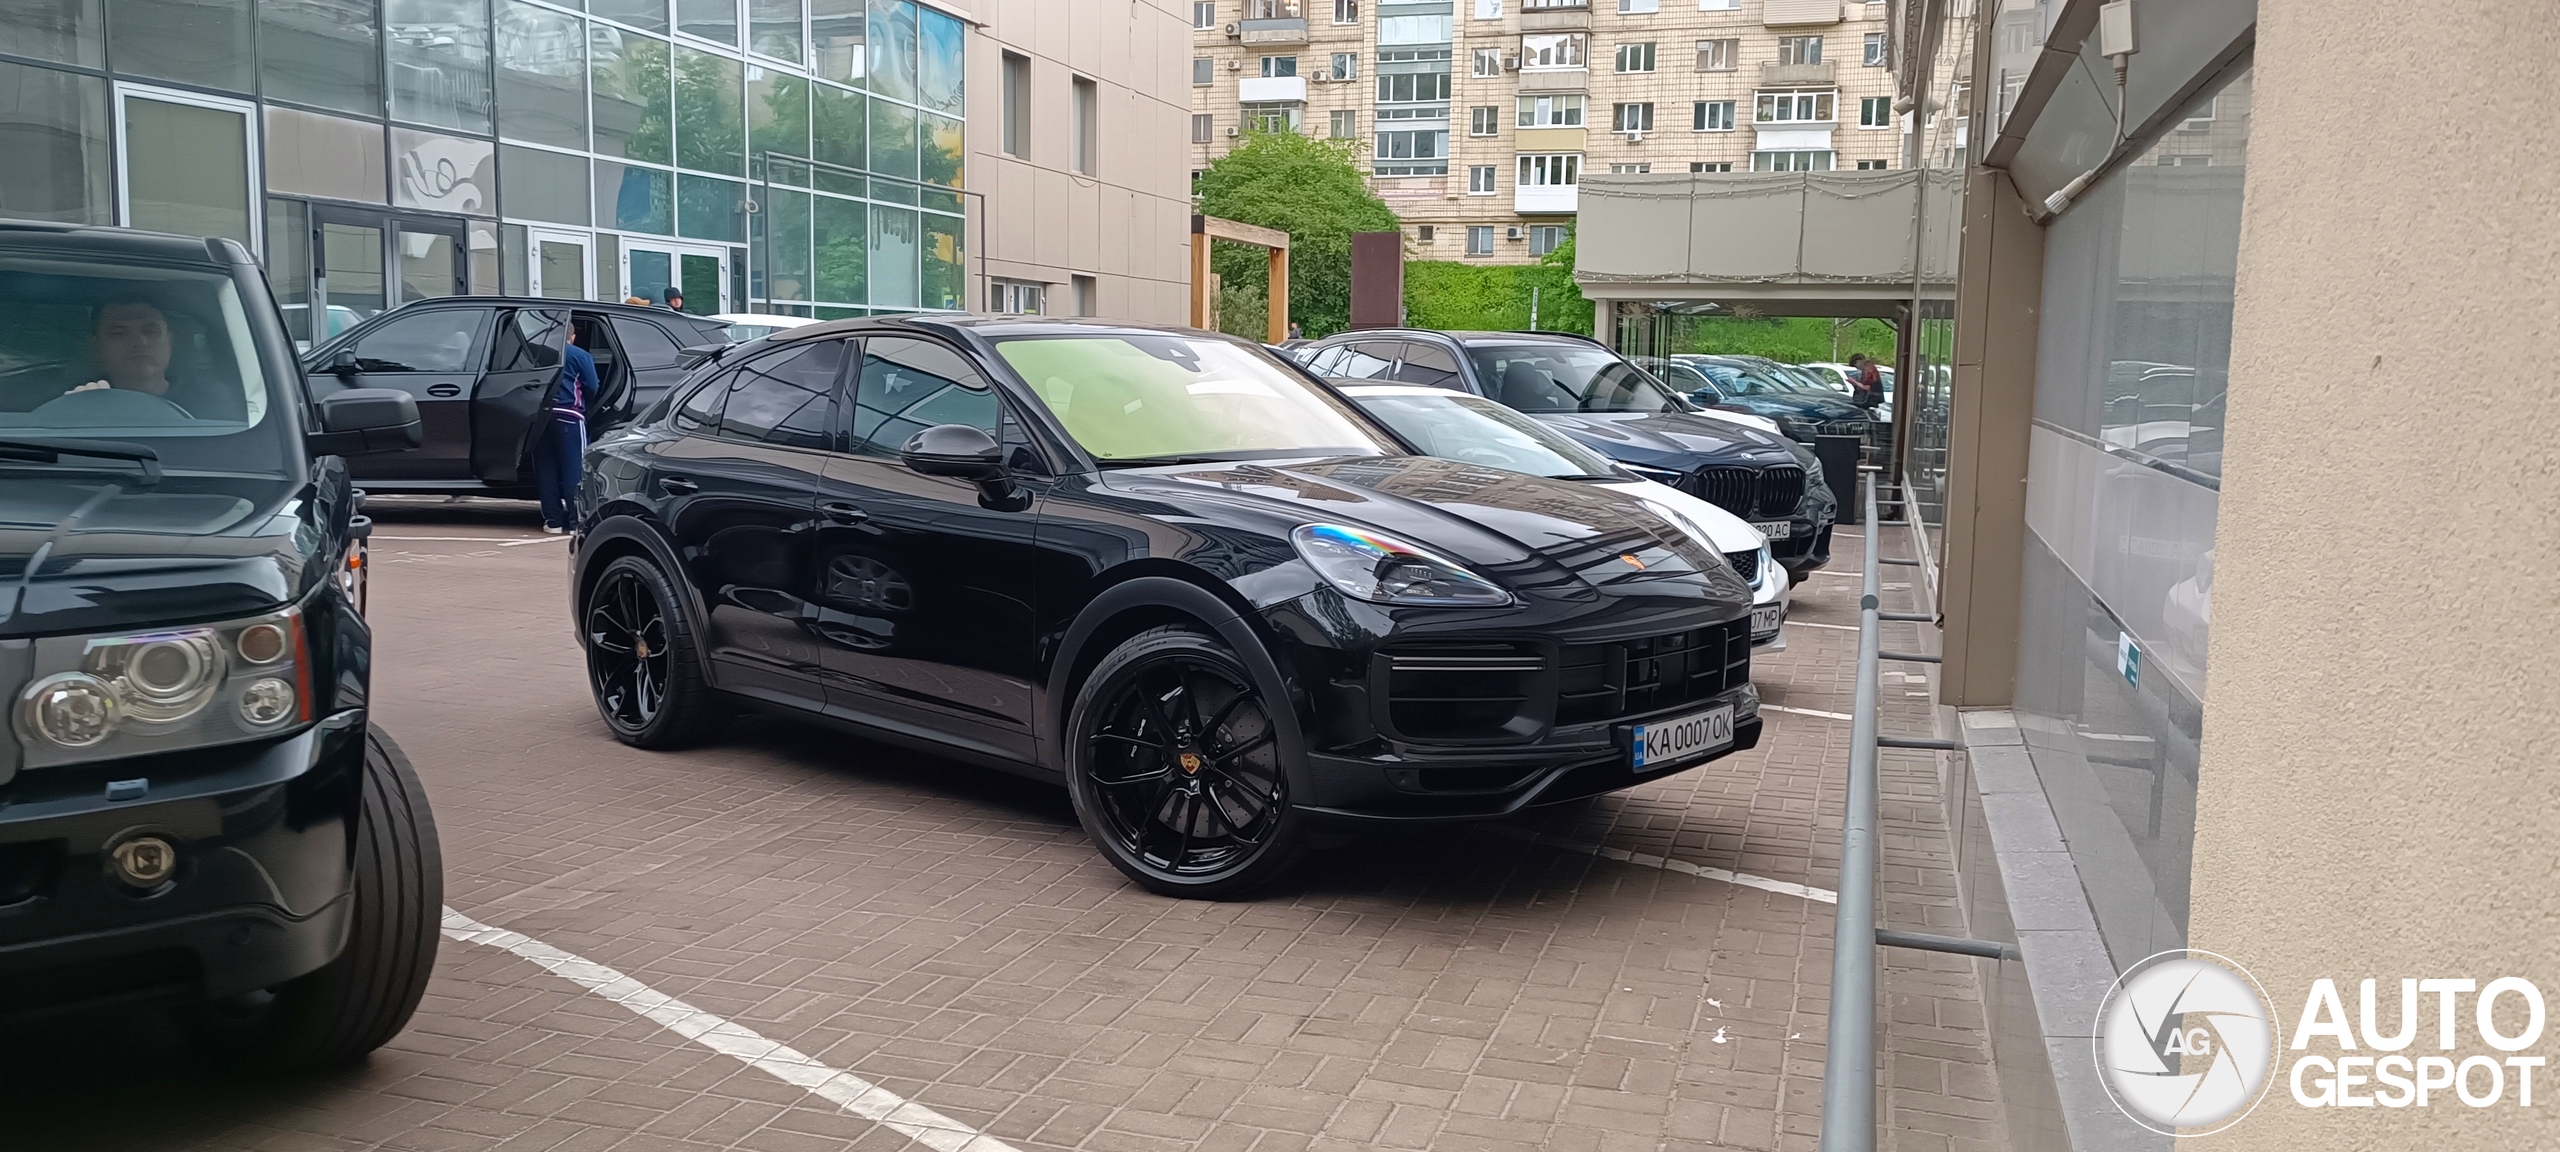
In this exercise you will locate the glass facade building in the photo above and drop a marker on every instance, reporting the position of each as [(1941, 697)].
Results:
[(794, 156)]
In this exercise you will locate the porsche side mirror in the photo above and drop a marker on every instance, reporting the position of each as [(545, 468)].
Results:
[(957, 452)]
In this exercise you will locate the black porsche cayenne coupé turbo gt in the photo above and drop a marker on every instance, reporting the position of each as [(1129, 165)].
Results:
[(1193, 583)]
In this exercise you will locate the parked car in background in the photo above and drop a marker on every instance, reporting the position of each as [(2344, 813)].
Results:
[(1802, 407), (745, 326), (1608, 404), (1162, 567), (1472, 429), (1835, 376), (1691, 383), (477, 366)]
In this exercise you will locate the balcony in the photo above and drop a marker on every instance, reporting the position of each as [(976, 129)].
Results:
[(1556, 18), (1776, 75), (1272, 90), (1284, 30), (1799, 13), (1554, 79), (1546, 199)]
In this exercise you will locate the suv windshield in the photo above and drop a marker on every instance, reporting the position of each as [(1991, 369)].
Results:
[(1456, 426), (1146, 399), (1736, 380), (162, 357), (1567, 378)]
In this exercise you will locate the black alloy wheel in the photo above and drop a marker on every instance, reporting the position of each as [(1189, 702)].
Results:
[(1177, 771), (641, 660)]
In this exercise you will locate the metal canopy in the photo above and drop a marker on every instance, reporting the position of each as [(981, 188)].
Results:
[(1789, 243)]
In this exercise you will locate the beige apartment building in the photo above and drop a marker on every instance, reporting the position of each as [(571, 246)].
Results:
[(1477, 118)]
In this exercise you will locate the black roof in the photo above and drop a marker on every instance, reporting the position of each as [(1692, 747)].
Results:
[(127, 242), (1464, 336)]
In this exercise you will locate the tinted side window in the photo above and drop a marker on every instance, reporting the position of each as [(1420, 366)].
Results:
[(1430, 365), (784, 398), (528, 338), (1367, 360), (910, 385), (645, 343), (433, 340), (1322, 362), (700, 412)]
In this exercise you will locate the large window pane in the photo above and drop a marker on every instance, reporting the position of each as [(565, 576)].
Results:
[(838, 127), (635, 199), (439, 62), (893, 49), (711, 123), (708, 19), (289, 266), (941, 62), (324, 155), (786, 245), (53, 129), (69, 31), (537, 185), (321, 52), (187, 168), (946, 281), (773, 28), (836, 39), (893, 257), (893, 140), (842, 241), (542, 75), (942, 158), (634, 116), (191, 41), (646, 15), (443, 173), (707, 208), (777, 114)]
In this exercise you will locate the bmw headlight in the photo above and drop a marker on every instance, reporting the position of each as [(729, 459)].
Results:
[(1381, 569), (1657, 475), (104, 697)]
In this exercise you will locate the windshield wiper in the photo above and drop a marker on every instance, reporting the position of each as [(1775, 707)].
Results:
[(52, 451)]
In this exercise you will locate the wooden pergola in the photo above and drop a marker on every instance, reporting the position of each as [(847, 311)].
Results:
[(1207, 228)]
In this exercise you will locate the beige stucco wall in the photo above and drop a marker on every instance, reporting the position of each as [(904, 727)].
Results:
[(1128, 225), (2380, 786)]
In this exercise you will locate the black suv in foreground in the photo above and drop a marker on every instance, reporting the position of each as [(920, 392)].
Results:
[(193, 802), (477, 367), (1204, 591), (1616, 408)]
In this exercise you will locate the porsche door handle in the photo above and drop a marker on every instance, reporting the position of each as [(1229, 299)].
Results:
[(843, 513), (677, 486)]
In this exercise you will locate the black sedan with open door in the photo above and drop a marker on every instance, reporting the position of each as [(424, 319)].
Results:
[(1199, 588)]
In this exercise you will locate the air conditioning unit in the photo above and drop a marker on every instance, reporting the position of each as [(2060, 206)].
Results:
[(1515, 232), (1634, 135), (1235, 65), (1234, 31), (1234, 131), (1511, 63)]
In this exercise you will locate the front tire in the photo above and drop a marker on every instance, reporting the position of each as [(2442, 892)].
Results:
[(644, 660), (1174, 764)]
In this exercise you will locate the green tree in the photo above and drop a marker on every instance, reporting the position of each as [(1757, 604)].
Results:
[(1314, 191)]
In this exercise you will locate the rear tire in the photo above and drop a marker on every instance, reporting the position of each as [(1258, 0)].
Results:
[(644, 659)]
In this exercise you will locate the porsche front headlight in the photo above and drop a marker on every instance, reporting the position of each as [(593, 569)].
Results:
[(1381, 569), (111, 696)]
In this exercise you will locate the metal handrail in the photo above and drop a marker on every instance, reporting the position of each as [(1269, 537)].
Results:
[(1849, 1047)]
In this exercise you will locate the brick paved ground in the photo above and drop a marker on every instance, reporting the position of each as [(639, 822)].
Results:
[(946, 933)]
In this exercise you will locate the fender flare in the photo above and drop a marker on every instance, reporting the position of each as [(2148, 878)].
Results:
[(630, 526), (1224, 620)]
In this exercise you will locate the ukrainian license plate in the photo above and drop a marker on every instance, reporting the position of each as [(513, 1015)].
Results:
[(1774, 529), (1663, 743), (1766, 618)]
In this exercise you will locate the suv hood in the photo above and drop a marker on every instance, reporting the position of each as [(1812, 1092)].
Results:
[(1538, 537), (1824, 408), (1675, 440), (81, 553)]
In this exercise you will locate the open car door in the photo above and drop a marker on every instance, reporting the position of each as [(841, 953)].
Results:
[(512, 396)]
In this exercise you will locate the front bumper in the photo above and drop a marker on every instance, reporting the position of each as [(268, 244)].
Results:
[(262, 890)]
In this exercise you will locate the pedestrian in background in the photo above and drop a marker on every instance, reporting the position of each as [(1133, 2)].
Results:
[(1867, 383), (1295, 332), (561, 450), (675, 299)]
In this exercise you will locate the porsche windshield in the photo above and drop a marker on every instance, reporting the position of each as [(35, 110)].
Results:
[(1567, 378), (1132, 398), (1457, 426), (156, 356)]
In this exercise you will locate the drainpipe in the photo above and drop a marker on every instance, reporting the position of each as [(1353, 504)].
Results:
[(1914, 154)]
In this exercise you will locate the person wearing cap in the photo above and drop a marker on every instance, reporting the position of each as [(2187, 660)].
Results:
[(675, 299)]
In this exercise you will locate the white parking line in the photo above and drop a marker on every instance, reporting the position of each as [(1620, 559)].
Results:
[(1768, 707), (1833, 627), (1649, 860), (536, 540), (782, 1062), (464, 539)]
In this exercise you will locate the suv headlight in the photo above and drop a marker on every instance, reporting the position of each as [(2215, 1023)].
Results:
[(1381, 569), (105, 697), (1668, 476)]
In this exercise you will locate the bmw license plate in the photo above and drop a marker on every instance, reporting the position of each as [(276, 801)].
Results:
[(1663, 743), (1766, 618), (1774, 529)]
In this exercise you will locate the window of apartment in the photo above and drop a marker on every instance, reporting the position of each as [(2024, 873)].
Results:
[(1204, 14), (1346, 65), (1484, 120), (1480, 180), (1488, 9), (1563, 111), (1479, 239), (1791, 161), (1412, 87), (1875, 112), (1630, 169), (1488, 62), (1545, 238), (1631, 117), (1639, 6), (1088, 125), (2195, 161), (1015, 298), (1346, 11), (1425, 233), (1557, 50), (1711, 116), (1711, 165), (1204, 70), (1017, 105), (1719, 5), (1635, 57), (1874, 165), (1271, 9), (1799, 49), (1718, 55), (1413, 152), (1346, 124), (2202, 121), (1279, 66), (1433, 29), (1874, 57), (1794, 107), (1202, 126), (1271, 117), (1550, 170)]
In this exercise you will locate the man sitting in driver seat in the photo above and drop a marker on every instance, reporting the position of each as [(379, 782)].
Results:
[(129, 341)]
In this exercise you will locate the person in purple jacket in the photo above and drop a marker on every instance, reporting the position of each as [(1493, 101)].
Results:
[(560, 448)]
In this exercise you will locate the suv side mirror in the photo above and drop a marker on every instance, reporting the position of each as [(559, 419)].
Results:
[(957, 452), (361, 421)]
